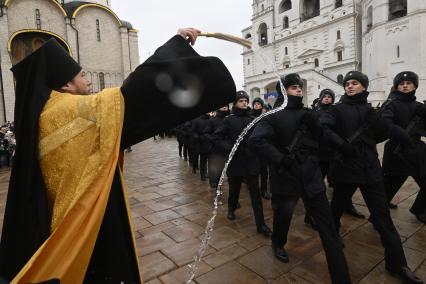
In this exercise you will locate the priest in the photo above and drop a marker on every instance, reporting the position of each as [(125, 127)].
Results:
[(66, 218)]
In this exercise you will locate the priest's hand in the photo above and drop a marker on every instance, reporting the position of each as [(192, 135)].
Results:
[(189, 34)]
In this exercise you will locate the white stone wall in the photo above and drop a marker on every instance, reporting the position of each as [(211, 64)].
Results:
[(21, 15), (380, 58), (5, 65), (315, 38), (102, 2), (99, 56), (134, 49)]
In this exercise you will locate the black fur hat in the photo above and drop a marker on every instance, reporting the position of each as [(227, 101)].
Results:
[(241, 95), (406, 76), (289, 80), (258, 100), (356, 75), (327, 92)]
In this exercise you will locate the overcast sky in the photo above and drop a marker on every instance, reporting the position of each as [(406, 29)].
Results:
[(158, 20)]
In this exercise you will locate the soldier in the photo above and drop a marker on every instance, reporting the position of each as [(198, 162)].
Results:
[(244, 164), (216, 159), (325, 103), (353, 127), (260, 107), (288, 140), (201, 147), (405, 153)]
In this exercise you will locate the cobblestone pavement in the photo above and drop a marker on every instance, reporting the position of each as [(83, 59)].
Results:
[(170, 208)]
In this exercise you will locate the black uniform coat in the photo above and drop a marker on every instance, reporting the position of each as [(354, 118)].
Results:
[(197, 130), (325, 152), (339, 124), (244, 162), (398, 113), (274, 134)]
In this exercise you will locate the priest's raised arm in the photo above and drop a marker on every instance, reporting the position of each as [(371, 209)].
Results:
[(174, 85)]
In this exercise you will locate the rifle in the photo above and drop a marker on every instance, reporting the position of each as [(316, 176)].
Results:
[(366, 126), (409, 129)]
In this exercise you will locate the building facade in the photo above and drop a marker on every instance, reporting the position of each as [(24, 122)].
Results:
[(104, 45), (393, 40), (324, 39)]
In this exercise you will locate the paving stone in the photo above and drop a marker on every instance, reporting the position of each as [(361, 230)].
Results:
[(140, 223), (380, 275), (366, 235), (184, 232), (161, 205), (418, 240), (153, 242), (421, 271), (146, 196), (157, 228), (313, 269), (291, 278), (224, 255), (254, 242), (162, 216), (183, 253), (230, 273), (264, 263), (181, 275), (361, 258), (223, 237), (153, 281), (155, 264), (192, 208)]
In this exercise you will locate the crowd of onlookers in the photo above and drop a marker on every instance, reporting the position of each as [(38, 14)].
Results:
[(7, 144)]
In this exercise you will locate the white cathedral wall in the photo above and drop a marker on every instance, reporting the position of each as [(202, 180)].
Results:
[(380, 61), (21, 15), (134, 49), (99, 56), (316, 33)]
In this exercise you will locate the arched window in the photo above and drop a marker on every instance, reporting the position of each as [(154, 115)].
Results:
[(340, 79), (285, 5), (38, 19), (397, 9), (263, 34), (247, 36), (309, 9), (248, 61), (338, 3), (101, 81), (316, 62), (98, 30), (340, 55), (285, 22), (262, 7), (397, 51), (286, 50), (369, 18), (338, 34)]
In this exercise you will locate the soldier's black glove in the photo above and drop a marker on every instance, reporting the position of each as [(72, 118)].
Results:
[(348, 150), (400, 135), (308, 119), (287, 164), (287, 161)]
